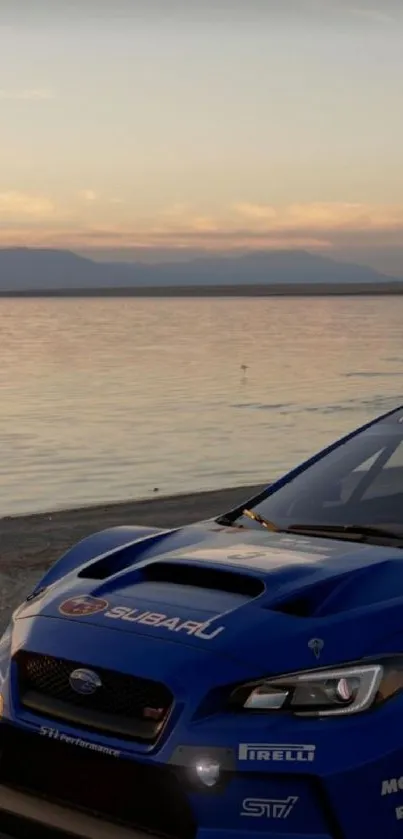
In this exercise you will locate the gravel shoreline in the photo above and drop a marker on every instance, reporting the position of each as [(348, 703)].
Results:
[(31, 543)]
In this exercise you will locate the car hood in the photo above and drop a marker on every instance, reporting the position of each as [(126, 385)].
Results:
[(249, 594)]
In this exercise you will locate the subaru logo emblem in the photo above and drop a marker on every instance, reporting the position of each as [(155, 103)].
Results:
[(85, 682)]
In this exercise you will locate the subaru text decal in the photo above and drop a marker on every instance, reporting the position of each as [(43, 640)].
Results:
[(84, 605), (276, 752), (202, 630)]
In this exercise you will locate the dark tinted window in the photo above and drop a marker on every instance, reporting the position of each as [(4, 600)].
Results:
[(360, 482)]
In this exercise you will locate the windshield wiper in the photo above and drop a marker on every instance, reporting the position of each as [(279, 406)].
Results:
[(347, 529), (269, 525), (359, 530)]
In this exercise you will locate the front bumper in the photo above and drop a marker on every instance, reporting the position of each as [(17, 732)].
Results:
[(26, 817), (47, 784), (86, 791), (48, 781)]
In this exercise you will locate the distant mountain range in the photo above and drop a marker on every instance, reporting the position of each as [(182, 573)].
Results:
[(35, 270)]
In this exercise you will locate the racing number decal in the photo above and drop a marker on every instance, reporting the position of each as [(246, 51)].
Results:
[(242, 556)]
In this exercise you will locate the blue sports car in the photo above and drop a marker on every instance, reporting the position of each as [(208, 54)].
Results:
[(231, 679)]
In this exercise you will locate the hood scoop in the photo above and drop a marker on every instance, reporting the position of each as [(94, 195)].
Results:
[(308, 603), (184, 584), (197, 576)]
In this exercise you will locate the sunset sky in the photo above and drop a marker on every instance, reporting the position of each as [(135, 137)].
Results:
[(198, 124)]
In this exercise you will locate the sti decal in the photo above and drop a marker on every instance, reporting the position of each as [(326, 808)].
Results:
[(269, 808)]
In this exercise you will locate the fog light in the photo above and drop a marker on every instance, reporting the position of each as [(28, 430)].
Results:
[(208, 772)]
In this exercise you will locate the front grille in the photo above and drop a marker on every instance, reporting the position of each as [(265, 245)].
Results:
[(123, 705), (142, 796)]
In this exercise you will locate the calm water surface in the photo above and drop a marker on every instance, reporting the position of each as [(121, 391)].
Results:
[(107, 399)]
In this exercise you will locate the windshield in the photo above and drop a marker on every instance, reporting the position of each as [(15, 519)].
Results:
[(360, 482)]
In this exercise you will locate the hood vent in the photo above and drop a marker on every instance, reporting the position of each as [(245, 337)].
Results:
[(109, 565), (182, 574), (362, 587), (299, 607), (308, 603), (120, 558), (178, 573)]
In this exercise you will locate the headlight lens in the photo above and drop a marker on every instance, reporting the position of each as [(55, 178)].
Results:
[(324, 693)]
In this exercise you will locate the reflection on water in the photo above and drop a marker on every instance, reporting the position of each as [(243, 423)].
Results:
[(108, 399)]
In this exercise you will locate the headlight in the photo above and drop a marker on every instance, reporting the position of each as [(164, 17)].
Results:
[(324, 693)]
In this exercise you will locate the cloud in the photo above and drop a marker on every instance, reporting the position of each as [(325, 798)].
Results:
[(30, 95), (91, 198), (322, 217), (332, 226), (181, 216), (17, 205), (256, 211), (88, 195), (258, 220), (217, 240), (204, 224)]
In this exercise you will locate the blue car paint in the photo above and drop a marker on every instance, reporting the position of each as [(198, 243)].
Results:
[(199, 642)]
